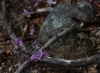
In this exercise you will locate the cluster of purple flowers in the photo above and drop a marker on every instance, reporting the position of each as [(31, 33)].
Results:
[(18, 41), (40, 54)]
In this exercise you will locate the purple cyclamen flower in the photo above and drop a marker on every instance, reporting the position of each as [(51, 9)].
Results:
[(32, 32), (18, 41), (52, 2), (42, 54), (34, 58), (24, 56), (27, 13), (36, 45)]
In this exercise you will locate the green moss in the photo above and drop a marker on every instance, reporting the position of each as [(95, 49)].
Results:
[(80, 5), (57, 23), (45, 23)]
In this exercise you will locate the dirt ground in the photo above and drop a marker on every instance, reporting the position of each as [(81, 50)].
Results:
[(11, 56)]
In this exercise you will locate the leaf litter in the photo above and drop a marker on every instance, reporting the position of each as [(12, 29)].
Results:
[(10, 55)]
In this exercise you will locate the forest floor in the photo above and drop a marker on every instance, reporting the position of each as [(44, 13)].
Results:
[(11, 56)]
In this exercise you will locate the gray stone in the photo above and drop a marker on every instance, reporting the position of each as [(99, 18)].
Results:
[(88, 7), (60, 19)]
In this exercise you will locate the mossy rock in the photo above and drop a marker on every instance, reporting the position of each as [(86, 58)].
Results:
[(60, 19)]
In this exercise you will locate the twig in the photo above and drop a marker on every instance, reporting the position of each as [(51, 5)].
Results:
[(57, 37), (22, 66), (44, 10), (88, 29), (7, 42), (74, 63)]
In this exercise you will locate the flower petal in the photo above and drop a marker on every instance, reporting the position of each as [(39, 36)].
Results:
[(24, 55), (36, 45), (52, 2), (34, 58), (42, 54), (18, 41), (32, 32), (27, 13)]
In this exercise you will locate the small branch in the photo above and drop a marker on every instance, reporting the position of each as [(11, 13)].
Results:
[(66, 63), (73, 63), (44, 10), (57, 37), (22, 66), (3, 43), (89, 29)]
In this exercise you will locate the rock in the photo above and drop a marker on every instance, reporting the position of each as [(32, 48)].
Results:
[(59, 20), (88, 7)]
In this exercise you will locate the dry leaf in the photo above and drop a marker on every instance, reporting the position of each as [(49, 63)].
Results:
[(93, 41), (8, 51), (82, 35), (93, 71)]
